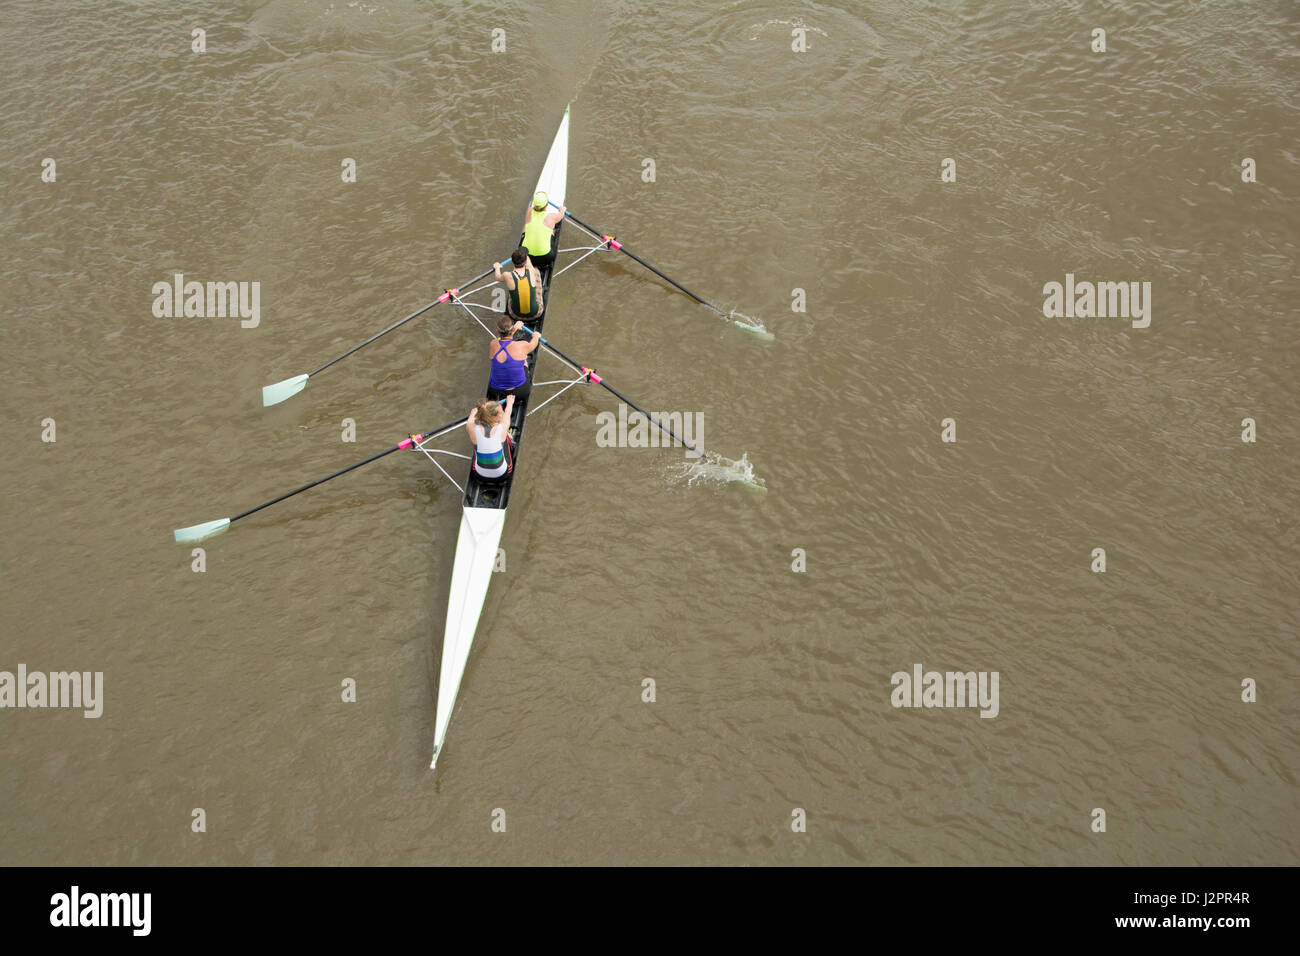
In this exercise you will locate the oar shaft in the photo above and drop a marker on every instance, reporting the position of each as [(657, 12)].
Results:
[(405, 443), (593, 377), (398, 324), (631, 404), (614, 243)]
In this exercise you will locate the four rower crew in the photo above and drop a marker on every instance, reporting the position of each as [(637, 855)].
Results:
[(524, 284), (488, 425), (539, 231)]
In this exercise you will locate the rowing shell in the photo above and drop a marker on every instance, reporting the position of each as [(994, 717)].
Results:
[(485, 503)]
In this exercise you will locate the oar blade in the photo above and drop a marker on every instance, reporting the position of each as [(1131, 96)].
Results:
[(748, 323), (760, 333), (198, 532), (277, 393)]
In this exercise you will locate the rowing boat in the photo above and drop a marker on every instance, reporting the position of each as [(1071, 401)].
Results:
[(484, 508)]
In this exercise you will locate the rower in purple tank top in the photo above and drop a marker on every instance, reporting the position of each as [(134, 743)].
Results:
[(509, 375)]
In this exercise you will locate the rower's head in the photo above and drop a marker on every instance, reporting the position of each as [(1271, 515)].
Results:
[(505, 326), (539, 201), (519, 257), (487, 412)]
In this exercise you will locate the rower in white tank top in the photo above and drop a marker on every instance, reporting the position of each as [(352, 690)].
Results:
[(488, 426)]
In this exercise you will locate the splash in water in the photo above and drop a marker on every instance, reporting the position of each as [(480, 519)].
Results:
[(715, 469)]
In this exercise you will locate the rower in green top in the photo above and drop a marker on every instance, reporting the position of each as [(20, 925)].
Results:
[(523, 284), (539, 232)]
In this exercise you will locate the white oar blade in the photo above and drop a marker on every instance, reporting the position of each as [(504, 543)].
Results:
[(277, 393), (200, 531), (750, 324)]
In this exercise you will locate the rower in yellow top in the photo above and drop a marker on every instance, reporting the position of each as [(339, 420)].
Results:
[(539, 232), (524, 285)]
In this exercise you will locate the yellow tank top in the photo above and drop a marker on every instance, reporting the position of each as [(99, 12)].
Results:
[(537, 236)]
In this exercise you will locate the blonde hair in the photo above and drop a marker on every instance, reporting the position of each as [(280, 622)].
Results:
[(486, 412)]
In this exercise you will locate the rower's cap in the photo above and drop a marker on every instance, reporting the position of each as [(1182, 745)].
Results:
[(540, 200)]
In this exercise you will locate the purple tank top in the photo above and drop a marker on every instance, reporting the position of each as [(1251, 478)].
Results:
[(511, 373)]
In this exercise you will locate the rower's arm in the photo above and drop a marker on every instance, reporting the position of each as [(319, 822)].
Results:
[(553, 217), (535, 341), (469, 425)]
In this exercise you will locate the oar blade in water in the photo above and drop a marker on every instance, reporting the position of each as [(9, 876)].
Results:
[(757, 331)]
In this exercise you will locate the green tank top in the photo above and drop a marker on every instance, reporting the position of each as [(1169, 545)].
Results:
[(523, 298), (537, 236)]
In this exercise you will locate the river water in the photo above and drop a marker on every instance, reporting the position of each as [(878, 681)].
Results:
[(801, 186)]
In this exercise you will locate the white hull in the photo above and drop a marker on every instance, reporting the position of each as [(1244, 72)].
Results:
[(555, 174), (476, 553)]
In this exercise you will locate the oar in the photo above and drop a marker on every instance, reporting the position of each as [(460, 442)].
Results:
[(738, 319), (591, 376), (277, 393), (200, 531)]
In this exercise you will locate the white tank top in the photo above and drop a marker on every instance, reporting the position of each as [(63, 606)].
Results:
[(488, 449)]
